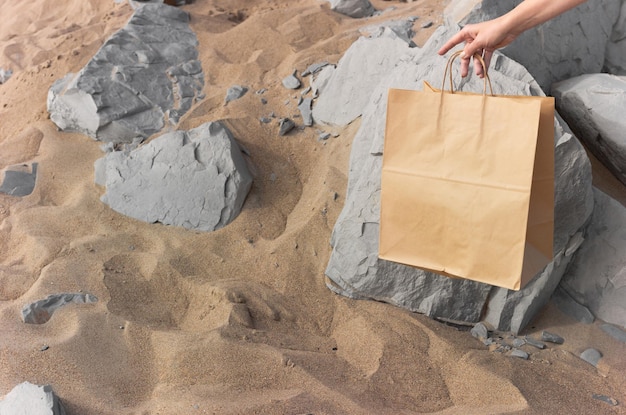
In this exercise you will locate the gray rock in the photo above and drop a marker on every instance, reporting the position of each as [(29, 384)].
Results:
[(615, 332), (285, 125), (306, 112), (571, 307), (597, 276), (591, 356), (292, 81), (30, 399), (314, 68), (535, 343), (615, 57), (18, 182), (354, 269), (5, 74), (605, 399), (144, 74), (519, 353), (427, 25), (41, 311), (235, 92), (593, 107), (402, 28), (517, 342), (197, 179), (546, 336), (571, 44), (348, 90), (480, 331), (353, 8)]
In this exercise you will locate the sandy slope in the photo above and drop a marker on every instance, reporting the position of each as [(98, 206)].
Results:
[(237, 321)]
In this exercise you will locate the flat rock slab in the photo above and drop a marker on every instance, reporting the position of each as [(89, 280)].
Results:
[(41, 311), (196, 179), (144, 75), (593, 106), (30, 399), (18, 180)]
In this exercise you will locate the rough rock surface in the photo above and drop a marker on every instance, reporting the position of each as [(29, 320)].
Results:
[(597, 276), (593, 105), (347, 92), (571, 44), (196, 179), (353, 8), (144, 75), (354, 269), (615, 58), (30, 399), (41, 311)]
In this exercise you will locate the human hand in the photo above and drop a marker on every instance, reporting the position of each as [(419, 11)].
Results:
[(483, 38)]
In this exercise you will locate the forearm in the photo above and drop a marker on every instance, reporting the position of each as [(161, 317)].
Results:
[(531, 13)]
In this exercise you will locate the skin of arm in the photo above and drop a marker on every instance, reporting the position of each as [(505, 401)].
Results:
[(490, 35)]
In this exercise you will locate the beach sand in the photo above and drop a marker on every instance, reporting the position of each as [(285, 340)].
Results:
[(237, 321)]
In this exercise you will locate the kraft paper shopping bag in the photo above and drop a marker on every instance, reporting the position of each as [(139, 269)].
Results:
[(467, 184)]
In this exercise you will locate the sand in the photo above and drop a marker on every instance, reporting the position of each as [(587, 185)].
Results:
[(237, 321)]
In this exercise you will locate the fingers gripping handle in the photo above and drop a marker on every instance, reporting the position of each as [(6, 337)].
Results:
[(448, 73)]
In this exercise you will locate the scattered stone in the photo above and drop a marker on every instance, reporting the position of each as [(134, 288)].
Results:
[(519, 353), (615, 332), (480, 331), (292, 81), (261, 91), (263, 101), (314, 68), (596, 278), (535, 343), (286, 125), (306, 112), (18, 181), (606, 399), (44, 348), (145, 74), (265, 120), (323, 136), (41, 311), (30, 399), (353, 8), (5, 74), (306, 90), (517, 342), (197, 179), (546, 336), (571, 307), (427, 25), (235, 92), (591, 356)]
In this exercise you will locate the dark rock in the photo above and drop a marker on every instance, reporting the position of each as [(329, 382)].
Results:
[(591, 356), (546, 336), (285, 125), (305, 111), (535, 343), (606, 399), (480, 331), (519, 353), (235, 92), (18, 182)]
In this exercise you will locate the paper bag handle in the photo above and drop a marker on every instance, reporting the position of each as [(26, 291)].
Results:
[(448, 71)]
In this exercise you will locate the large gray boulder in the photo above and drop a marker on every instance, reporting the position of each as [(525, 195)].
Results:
[(354, 269), (615, 59), (353, 8), (197, 179), (571, 44), (30, 399), (594, 106), (597, 275), (144, 75), (364, 64)]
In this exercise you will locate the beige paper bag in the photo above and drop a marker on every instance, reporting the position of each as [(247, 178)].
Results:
[(468, 184)]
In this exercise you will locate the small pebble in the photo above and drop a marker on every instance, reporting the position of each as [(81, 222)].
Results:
[(235, 92), (591, 356), (291, 81), (427, 25), (535, 343), (607, 399), (519, 353), (263, 101), (265, 120), (261, 91), (44, 347), (479, 331), (286, 125), (323, 136), (546, 336), (519, 342)]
